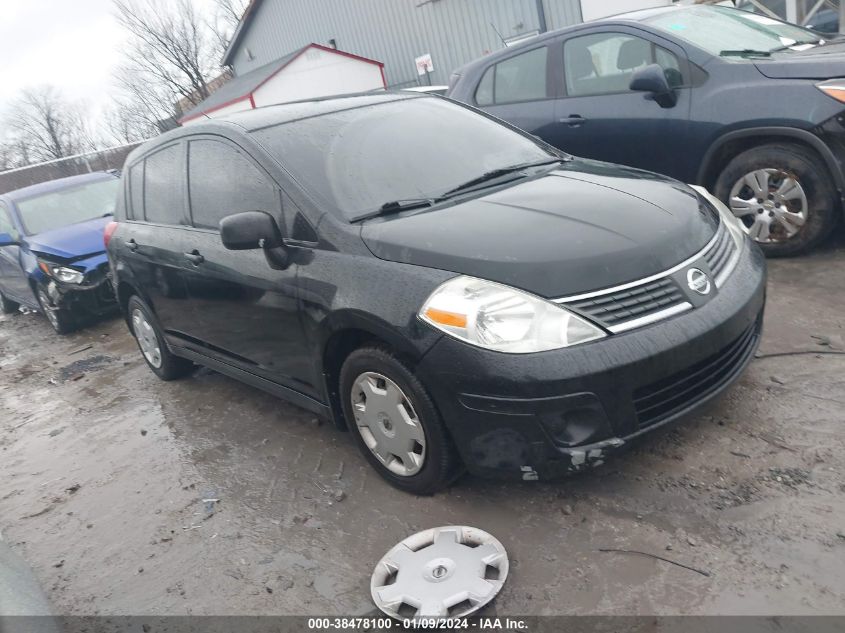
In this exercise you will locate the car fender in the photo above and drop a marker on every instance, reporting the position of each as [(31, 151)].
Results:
[(775, 131)]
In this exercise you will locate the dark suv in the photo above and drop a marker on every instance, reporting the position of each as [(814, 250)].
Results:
[(452, 290), (747, 106)]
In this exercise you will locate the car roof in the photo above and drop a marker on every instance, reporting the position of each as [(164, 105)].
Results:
[(56, 185)]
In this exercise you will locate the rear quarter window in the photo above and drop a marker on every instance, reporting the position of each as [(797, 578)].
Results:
[(135, 209)]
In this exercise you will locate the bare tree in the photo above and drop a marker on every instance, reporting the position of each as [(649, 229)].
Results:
[(227, 16), (46, 126), (127, 121), (170, 55)]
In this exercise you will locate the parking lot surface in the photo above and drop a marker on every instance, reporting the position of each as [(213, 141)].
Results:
[(204, 496)]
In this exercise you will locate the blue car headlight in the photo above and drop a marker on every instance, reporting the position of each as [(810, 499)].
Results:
[(62, 274)]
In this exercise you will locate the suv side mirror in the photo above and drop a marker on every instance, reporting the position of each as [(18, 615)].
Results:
[(653, 80), (7, 240), (250, 230)]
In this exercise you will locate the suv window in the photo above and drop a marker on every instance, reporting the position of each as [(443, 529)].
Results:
[(520, 78), (222, 181), (603, 63), (163, 197)]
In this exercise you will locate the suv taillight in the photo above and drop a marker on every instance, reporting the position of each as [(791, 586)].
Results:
[(107, 233)]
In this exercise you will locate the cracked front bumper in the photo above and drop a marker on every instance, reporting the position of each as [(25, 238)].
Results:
[(540, 416)]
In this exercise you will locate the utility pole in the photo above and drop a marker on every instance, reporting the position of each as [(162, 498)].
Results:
[(541, 16), (842, 16)]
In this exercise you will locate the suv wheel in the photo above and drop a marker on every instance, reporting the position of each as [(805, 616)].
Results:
[(7, 305), (783, 196), (158, 357), (60, 319), (395, 423)]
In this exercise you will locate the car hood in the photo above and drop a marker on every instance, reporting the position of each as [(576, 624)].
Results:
[(76, 241), (582, 227), (819, 62)]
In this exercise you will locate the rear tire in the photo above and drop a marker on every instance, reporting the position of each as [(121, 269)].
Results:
[(7, 305), (440, 461), (814, 200), (154, 350), (61, 319)]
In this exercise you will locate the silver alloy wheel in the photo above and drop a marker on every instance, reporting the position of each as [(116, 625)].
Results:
[(147, 339), (47, 307), (388, 424), (771, 204)]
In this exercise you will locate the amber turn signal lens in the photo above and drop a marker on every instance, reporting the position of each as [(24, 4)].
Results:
[(446, 318), (835, 89)]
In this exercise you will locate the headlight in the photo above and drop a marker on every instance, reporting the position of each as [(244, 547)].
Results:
[(503, 319), (735, 226), (62, 273), (833, 88)]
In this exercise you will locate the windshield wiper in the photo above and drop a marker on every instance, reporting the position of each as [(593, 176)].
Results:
[(498, 173), (397, 206), (745, 52)]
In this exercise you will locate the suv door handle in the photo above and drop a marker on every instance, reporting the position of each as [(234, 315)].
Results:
[(194, 257), (574, 120), (132, 245)]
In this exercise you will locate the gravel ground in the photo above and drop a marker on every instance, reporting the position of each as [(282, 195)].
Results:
[(204, 496)]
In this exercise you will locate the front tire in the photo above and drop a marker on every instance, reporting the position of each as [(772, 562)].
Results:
[(154, 350), (395, 423), (61, 320), (7, 305), (783, 195)]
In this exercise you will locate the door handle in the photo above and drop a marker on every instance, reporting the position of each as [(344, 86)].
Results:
[(574, 120), (194, 257), (132, 245)]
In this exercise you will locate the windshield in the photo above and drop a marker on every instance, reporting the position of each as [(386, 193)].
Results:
[(720, 30), (68, 206), (355, 161)]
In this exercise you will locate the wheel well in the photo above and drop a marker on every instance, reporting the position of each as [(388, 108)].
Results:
[(337, 349), (729, 150), (124, 293)]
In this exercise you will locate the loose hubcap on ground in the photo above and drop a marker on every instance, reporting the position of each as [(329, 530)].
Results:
[(388, 423), (442, 572), (147, 339), (770, 203)]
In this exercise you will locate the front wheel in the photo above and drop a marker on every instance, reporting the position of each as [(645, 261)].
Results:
[(395, 423), (59, 318), (7, 305), (783, 196)]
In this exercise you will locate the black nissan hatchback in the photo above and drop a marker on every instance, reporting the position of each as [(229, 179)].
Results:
[(455, 292)]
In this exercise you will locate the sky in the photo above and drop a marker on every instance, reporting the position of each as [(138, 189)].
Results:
[(74, 45)]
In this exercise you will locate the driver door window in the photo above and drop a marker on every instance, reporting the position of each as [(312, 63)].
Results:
[(605, 62)]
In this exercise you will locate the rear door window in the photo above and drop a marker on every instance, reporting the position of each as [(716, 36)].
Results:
[(520, 78), (223, 181), (164, 200)]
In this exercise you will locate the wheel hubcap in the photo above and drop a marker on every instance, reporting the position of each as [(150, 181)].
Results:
[(49, 311), (388, 424), (147, 339), (771, 204)]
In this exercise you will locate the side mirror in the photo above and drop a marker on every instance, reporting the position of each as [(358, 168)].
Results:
[(652, 79), (7, 240), (250, 230)]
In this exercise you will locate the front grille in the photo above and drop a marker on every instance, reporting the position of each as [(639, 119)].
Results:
[(720, 251), (661, 399), (633, 303)]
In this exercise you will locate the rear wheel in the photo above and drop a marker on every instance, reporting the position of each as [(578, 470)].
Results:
[(158, 357), (7, 305), (783, 196), (395, 423), (61, 319)]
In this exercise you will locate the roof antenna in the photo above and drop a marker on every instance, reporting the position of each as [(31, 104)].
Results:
[(499, 34)]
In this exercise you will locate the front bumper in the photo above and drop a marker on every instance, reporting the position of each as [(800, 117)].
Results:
[(540, 416)]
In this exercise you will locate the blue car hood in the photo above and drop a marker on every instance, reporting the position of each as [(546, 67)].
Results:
[(76, 241)]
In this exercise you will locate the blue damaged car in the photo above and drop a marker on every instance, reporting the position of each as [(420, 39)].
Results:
[(52, 255)]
